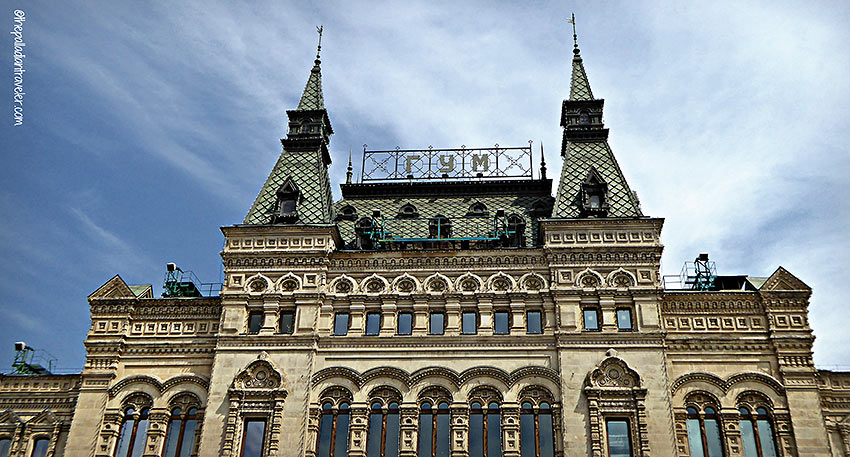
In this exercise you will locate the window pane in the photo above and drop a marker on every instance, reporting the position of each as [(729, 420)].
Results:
[(766, 438), (405, 323), (323, 447), (528, 448), (255, 321), (141, 437), (494, 433), (426, 430), (171, 437), (624, 319), (695, 438), (255, 431), (470, 323), (618, 439), (476, 434), (712, 437), (341, 324), (373, 439), (373, 323), (534, 322), (591, 319), (437, 323), (124, 438), (748, 438), (443, 431), (547, 435), (341, 444), (4, 447), (502, 326), (391, 449), (287, 322), (39, 448), (188, 444)]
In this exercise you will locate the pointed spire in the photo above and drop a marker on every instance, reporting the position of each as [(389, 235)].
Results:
[(312, 98), (542, 162), (348, 173), (579, 85)]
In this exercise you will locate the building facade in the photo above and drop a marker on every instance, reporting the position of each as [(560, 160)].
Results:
[(446, 306)]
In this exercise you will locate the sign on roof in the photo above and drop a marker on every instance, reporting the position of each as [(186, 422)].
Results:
[(451, 164)]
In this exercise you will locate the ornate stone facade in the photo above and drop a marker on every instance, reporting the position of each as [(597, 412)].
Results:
[(538, 348)]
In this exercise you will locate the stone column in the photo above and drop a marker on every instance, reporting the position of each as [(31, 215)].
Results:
[(510, 430), (459, 430), (86, 437), (409, 424), (312, 432), (358, 427), (270, 310), (731, 431), (157, 429)]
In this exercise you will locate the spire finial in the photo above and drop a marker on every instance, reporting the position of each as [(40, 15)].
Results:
[(542, 162), (572, 20), (349, 172), (319, 29)]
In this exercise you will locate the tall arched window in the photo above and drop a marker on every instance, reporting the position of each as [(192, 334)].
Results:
[(537, 434), (182, 428), (704, 432), (39, 447), (485, 430), (382, 440), (434, 430), (516, 230), (5, 444), (133, 434), (333, 431), (757, 433)]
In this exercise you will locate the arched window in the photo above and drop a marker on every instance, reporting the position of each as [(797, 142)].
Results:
[(39, 447), (485, 430), (756, 433), (537, 434), (133, 434), (434, 430), (407, 211), (382, 440), (704, 433), (348, 213), (439, 227), (287, 202), (516, 231), (477, 209), (333, 431), (363, 229), (5, 444), (182, 428)]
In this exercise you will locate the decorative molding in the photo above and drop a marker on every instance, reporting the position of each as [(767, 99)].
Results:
[(726, 385)]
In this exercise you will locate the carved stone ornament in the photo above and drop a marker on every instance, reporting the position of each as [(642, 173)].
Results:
[(500, 282), (343, 286), (374, 285), (589, 280), (259, 374), (613, 372), (258, 285), (405, 285), (621, 279), (533, 283), (437, 284), (289, 285)]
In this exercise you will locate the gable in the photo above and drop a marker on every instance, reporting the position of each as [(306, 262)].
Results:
[(114, 288), (782, 280)]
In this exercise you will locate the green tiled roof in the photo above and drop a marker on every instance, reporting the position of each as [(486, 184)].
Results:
[(312, 98), (579, 86), (455, 208), (577, 164)]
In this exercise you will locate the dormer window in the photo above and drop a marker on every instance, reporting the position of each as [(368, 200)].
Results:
[(363, 230), (347, 213), (407, 211), (286, 207), (594, 196), (440, 227), (477, 209), (516, 231)]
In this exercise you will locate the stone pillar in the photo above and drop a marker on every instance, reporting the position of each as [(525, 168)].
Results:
[(420, 316), (312, 431), (270, 309), (459, 430), (729, 418), (85, 437), (408, 432), (358, 429), (510, 430), (157, 429), (389, 311), (608, 309)]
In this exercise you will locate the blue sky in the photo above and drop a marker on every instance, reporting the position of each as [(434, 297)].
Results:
[(149, 126)]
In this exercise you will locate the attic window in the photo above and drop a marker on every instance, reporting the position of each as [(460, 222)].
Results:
[(286, 207), (363, 230), (477, 209), (439, 227), (408, 211), (348, 213), (594, 196), (516, 231)]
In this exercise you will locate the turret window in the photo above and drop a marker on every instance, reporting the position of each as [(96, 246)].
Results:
[(477, 209), (593, 199), (516, 231), (287, 203)]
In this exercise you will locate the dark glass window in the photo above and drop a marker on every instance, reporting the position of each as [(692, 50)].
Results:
[(619, 442), (591, 319), (438, 322), (534, 322), (382, 438), (405, 323), (133, 433), (252, 437), (341, 432), (373, 323), (180, 437), (624, 319), (485, 430), (439, 227), (326, 426), (341, 324), (537, 437), (434, 430), (704, 433), (39, 447), (255, 322), (501, 322), (5, 444), (469, 324), (287, 322), (757, 433)]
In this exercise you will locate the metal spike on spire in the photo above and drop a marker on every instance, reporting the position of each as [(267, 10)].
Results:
[(542, 162), (350, 169), (572, 21), (319, 29), (312, 98)]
